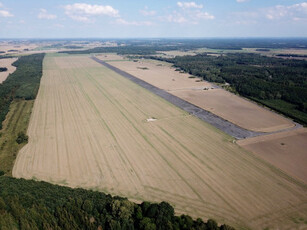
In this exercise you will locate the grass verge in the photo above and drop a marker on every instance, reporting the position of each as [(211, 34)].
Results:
[(16, 122)]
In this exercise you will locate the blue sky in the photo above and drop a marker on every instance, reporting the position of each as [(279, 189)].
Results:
[(152, 18)]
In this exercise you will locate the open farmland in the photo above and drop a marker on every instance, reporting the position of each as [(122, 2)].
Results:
[(14, 48), (286, 150), (7, 62), (276, 52), (89, 129), (110, 57), (157, 73), (231, 107), (236, 109)]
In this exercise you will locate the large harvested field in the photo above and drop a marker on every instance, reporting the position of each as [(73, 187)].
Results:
[(89, 129), (236, 109), (286, 150), (7, 62), (157, 74), (110, 57), (233, 108)]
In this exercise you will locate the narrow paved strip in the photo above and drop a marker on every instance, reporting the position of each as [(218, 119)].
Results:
[(218, 122)]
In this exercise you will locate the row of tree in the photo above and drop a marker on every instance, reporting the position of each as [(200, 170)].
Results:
[(28, 204), (23, 83)]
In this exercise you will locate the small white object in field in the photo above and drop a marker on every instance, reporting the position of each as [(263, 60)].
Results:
[(151, 119)]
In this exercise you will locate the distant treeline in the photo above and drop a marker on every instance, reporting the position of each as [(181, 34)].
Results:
[(73, 47), (136, 50), (256, 77), (3, 57), (292, 55), (23, 83), (27, 204), (62, 45), (151, 46), (263, 50), (219, 43)]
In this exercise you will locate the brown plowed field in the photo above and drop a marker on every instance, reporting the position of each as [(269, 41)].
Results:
[(89, 129), (229, 106), (7, 62), (286, 150)]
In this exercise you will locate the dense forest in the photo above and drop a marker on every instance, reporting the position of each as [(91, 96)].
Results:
[(278, 83), (6, 56), (23, 83), (28, 204)]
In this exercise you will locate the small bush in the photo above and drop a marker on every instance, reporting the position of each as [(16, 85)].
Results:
[(22, 138)]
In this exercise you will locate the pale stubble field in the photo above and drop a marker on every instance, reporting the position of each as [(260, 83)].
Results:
[(7, 62), (229, 106), (89, 129)]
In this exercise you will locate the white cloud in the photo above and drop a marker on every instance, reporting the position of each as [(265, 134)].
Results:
[(190, 13), (82, 11), (44, 15), (203, 15), (5, 14), (177, 18), (278, 13), (240, 1), (121, 21), (187, 5), (286, 12), (148, 12), (80, 18), (187, 17)]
